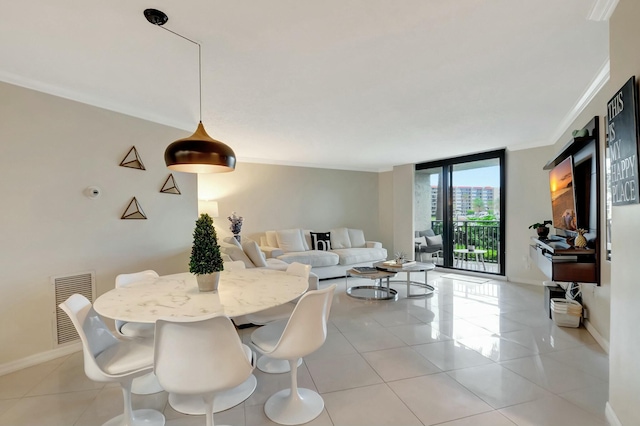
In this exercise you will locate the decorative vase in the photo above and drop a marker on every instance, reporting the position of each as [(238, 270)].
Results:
[(543, 231), (208, 282), (581, 241), (237, 237)]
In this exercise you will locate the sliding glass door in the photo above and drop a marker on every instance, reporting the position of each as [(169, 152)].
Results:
[(459, 202)]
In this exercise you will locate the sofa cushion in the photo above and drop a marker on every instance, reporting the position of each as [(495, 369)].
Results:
[(290, 240), (426, 233), (272, 239), (356, 237), (321, 241), (359, 255), (340, 238), (421, 241), (232, 241), (236, 253), (315, 258), (252, 250), (306, 239)]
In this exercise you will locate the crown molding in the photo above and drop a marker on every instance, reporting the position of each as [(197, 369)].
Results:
[(601, 78), (76, 96), (602, 10)]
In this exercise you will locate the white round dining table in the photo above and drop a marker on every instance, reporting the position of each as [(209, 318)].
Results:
[(240, 292)]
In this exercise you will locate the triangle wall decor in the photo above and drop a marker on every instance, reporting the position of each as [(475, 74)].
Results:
[(170, 186), (132, 160), (133, 211)]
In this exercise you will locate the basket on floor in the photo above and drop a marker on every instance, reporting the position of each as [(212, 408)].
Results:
[(566, 312)]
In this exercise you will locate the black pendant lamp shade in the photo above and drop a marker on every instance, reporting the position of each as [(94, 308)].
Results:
[(199, 153)]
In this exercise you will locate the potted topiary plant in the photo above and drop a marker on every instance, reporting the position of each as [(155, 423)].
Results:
[(206, 262), (541, 228)]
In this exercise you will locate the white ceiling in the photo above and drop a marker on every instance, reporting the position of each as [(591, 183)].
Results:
[(353, 84)]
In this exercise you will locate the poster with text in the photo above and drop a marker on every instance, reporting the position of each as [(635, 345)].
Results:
[(623, 144)]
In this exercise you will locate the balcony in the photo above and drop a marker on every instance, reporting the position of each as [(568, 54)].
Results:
[(483, 234)]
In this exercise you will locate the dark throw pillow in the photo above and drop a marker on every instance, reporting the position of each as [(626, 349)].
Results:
[(320, 240)]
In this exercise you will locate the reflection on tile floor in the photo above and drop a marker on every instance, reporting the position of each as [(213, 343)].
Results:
[(471, 354)]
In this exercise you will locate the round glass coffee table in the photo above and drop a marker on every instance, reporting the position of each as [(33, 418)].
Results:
[(371, 292), (409, 269)]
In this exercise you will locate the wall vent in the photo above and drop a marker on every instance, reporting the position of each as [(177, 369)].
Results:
[(64, 286)]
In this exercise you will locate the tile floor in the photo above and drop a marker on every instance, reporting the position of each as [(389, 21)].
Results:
[(472, 354)]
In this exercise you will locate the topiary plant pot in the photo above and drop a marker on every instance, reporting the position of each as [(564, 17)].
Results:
[(543, 231), (208, 282)]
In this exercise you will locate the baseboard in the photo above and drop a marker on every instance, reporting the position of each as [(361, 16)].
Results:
[(516, 280), (611, 415), (604, 344), (36, 359)]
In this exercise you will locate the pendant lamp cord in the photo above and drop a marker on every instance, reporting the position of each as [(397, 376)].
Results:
[(199, 64)]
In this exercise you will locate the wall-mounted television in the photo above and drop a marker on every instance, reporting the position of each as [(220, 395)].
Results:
[(563, 197)]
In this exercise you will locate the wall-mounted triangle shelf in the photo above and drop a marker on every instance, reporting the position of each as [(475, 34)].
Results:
[(133, 211), (132, 160), (170, 186)]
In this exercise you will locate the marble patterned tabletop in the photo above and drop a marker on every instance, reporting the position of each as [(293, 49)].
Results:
[(176, 296)]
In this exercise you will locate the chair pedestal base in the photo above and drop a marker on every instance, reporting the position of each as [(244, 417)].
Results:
[(287, 409), (274, 366), (194, 405), (144, 417), (146, 385)]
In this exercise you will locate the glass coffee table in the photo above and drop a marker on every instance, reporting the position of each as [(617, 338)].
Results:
[(371, 292), (409, 269)]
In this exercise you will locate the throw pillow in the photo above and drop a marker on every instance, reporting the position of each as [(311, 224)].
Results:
[(320, 241), (272, 240), (236, 253), (253, 251), (421, 241), (306, 239), (356, 236), (434, 241), (340, 238), (232, 241), (290, 240)]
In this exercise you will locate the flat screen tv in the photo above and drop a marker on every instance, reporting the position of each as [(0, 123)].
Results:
[(563, 198)]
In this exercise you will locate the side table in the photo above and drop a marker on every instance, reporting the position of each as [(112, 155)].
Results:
[(371, 292), (414, 267)]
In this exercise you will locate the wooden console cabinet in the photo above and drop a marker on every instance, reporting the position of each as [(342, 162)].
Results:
[(561, 262), (554, 256)]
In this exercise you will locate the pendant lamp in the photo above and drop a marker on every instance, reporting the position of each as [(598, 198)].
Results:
[(199, 153)]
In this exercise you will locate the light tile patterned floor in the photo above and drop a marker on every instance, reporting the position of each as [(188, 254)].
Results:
[(471, 354)]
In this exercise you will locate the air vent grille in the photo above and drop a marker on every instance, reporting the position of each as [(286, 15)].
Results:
[(65, 286)]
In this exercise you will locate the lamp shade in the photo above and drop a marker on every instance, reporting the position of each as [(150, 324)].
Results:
[(200, 153)]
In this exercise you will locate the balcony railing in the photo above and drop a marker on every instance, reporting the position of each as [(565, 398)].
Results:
[(483, 234)]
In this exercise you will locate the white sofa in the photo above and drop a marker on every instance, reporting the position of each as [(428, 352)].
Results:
[(248, 255), (347, 248)]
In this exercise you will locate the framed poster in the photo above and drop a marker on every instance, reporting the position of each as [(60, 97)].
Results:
[(622, 130)]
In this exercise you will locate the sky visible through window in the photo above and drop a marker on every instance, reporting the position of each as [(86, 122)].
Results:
[(486, 176)]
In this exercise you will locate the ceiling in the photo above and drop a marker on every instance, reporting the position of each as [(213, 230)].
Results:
[(348, 84)]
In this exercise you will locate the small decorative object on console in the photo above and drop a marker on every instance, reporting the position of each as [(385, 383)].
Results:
[(581, 241), (236, 225), (541, 228)]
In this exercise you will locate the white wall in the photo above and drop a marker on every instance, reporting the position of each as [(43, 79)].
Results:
[(624, 373), (385, 209), (403, 210), (273, 197), (51, 149), (528, 201)]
